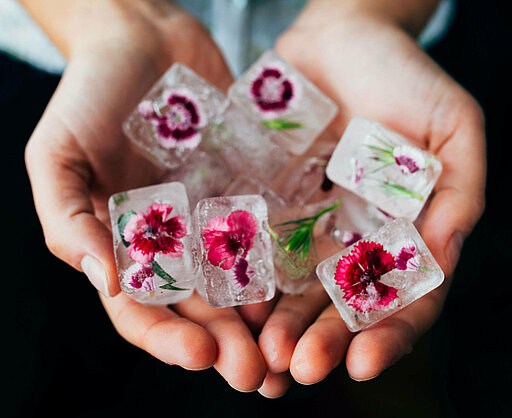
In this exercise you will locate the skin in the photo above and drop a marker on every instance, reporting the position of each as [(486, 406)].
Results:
[(419, 100), (77, 157)]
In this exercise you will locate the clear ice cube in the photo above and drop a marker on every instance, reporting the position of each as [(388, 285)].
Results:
[(243, 185), (301, 237), (278, 96), (380, 275), (384, 168), (235, 249), (355, 218), (154, 245), (171, 120), (247, 147), (304, 180), (205, 174)]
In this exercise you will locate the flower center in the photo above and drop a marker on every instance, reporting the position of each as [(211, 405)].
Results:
[(368, 277)]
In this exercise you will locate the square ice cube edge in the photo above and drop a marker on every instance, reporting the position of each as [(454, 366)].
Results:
[(384, 167), (407, 272)]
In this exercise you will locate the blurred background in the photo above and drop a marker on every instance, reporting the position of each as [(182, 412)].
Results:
[(62, 355)]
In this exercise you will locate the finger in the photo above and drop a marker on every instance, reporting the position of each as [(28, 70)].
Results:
[(291, 316), (376, 348), (239, 359), (275, 385), (162, 333), (61, 195), (321, 348), (256, 314), (459, 198)]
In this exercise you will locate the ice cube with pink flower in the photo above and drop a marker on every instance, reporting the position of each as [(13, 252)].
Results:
[(235, 250), (380, 274), (154, 246), (384, 168), (171, 120), (279, 97)]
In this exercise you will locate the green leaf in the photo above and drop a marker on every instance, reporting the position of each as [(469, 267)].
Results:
[(400, 191), (120, 198), (281, 124), (298, 240), (121, 224), (159, 271), (383, 155)]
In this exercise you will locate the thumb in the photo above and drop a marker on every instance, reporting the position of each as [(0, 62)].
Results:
[(60, 176)]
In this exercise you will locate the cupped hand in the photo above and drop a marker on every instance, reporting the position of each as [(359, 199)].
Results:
[(78, 156), (374, 69)]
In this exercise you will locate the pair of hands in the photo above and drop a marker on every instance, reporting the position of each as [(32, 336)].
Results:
[(78, 156)]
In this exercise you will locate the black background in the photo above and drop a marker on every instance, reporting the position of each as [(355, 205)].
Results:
[(62, 356)]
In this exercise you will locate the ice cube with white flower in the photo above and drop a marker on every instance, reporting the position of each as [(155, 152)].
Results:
[(384, 167), (154, 246), (380, 274), (277, 95), (235, 250)]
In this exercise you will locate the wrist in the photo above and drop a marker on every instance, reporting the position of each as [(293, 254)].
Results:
[(408, 15), (84, 24)]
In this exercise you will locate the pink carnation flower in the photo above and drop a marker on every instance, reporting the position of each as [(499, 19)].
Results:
[(226, 238), (140, 278), (179, 125), (407, 258), (154, 232), (359, 273), (271, 92)]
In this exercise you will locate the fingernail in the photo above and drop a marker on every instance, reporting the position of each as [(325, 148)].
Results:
[(96, 274), (363, 379)]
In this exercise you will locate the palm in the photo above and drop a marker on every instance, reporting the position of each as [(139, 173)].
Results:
[(377, 71)]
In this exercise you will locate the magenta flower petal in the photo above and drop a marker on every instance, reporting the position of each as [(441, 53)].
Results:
[(227, 238), (408, 159), (140, 278), (407, 258), (270, 91), (349, 238), (358, 275), (243, 272), (155, 232), (179, 124)]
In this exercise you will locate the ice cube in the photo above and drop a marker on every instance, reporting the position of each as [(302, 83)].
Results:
[(205, 174), (172, 119), (278, 96), (355, 218), (301, 237), (154, 246), (247, 147), (235, 249), (379, 275), (304, 180), (384, 168), (243, 185)]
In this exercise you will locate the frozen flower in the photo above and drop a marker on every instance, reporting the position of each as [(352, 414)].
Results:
[(139, 278), (359, 273), (226, 238), (408, 159), (177, 123), (357, 171), (407, 258), (348, 238), (243, 272), (154, 232), (271, 91)]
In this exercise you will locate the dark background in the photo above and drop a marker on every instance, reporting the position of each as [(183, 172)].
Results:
[(62, 356)]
